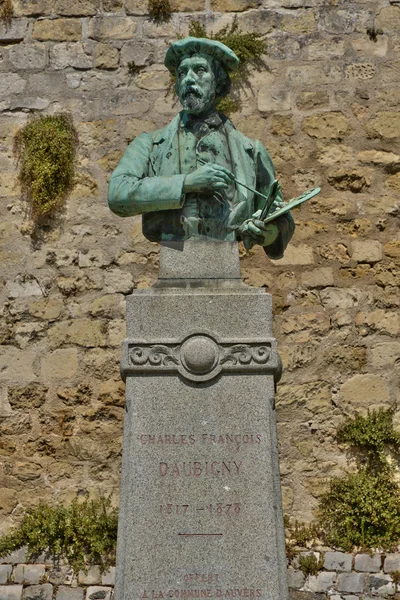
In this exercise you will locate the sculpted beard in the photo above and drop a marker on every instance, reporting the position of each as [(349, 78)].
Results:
[(193, 99)]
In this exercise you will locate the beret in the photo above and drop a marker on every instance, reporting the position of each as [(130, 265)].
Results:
[(191, 45)]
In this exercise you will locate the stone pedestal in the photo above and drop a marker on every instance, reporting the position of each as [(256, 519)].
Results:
[(200, 512)]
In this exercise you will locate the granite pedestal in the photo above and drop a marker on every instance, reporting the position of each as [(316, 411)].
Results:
[(200, 511)]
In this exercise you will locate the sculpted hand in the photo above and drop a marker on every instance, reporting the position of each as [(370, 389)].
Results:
[(208, 178), (253, 231)]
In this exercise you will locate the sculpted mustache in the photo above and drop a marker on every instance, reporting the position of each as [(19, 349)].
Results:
[(192, 90)]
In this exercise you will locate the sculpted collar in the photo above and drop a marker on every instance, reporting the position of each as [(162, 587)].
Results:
[(212, 120)]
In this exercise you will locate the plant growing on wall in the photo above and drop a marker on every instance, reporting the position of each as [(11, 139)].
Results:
[(363, 508), (45, 149), (160, 10), (84, 533), (249, 48), (6, 12)]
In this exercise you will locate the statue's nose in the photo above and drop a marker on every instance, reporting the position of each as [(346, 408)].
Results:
[(190, 77)]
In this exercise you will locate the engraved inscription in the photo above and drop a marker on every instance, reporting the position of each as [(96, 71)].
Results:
[(219, 509), (205, 438), (202, 593), (200, 469)]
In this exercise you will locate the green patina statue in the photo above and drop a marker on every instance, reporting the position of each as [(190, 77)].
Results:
[(198, 177)]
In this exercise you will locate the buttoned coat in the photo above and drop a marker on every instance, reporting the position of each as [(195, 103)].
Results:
[(148, 181)]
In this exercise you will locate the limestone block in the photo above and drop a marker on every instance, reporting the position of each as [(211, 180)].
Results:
[(14, 33), (112, 392), (380, 320), (315, 322), (322, 582), (392, 563), (10, 592), (111, 28), (384, 356), (296, 255), (48, 309), (325, 49), (93, 592), (351, 582), (360, 392), (389, 19), (312, 75), (5, 573), (189, 5), (153, 80), (382, 585), (316, 278), (385, 125), (364, 47), (334, 298), (108, 577), (392, 248), (105, 57), (29, 574), (18, 556), (32, 8), (142, 53), (83, 332), (233, 5), (111, 305), (368, 563), (116, 280), (111, 6), (76, 8), (393, 182), (17, 365), (282, 125), (23, 287), (116, 332), (310, 100), (346, 20), (366, 251), (68, 593), (329, 125), (295, 578), (360, 71), (33, 592), (338, 561), (283, 47), (28, 56), (166, 29), (57, 30), (379, 157), (60, 364), (301, 23), (69, 54), (136, 7), (92, 577), (262, 21), (61, 574), (272, 99), (11, 83)]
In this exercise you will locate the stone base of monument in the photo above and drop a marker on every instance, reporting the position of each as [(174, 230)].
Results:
[(200, 512)]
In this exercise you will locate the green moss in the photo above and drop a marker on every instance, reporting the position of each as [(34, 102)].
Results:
[(300, 535), (84, 533), (249, 48), (6, 12), (363, 508), (373, 32), (310, 564), (372, 436), (45, 149), (160, 10)]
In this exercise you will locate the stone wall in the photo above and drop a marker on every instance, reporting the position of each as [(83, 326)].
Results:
[(342, 577), (326, 107)]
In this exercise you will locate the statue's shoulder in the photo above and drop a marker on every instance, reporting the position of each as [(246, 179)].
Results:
[(230, 128), (165, 132)]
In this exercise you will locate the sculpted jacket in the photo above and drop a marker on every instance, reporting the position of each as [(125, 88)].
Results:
[(148, 181)]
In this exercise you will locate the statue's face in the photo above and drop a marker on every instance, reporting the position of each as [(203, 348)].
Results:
[(196, 84)]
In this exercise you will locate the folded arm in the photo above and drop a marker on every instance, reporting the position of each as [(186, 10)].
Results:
[(132, 192)]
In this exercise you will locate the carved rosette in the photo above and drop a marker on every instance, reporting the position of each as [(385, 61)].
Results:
[(200, 357)]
